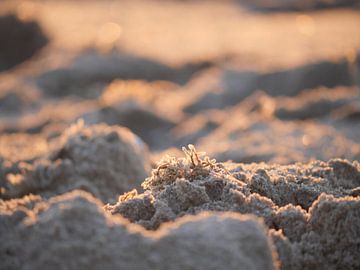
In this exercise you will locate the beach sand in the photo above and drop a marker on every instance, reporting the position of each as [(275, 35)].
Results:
[(106, 107)]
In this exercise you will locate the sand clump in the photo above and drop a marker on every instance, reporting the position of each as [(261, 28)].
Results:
[(103, 160), (139, 117), (299, 216), (74, 225), (71, 197), (297, 202), (296, 207)]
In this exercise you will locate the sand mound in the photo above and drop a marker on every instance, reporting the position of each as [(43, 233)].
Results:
[(103, 160), (232, 86), (328, 239), (17, 98), (291, 199), (243, 137), (316, 103), (90, 72), (145, 122), (245, 86), (74, 226), (20, 147), (19, 40)]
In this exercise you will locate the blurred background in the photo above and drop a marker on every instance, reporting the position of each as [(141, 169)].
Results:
[(248, 80)]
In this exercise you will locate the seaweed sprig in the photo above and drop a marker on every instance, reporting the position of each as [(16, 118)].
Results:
[(198, 159), (194, 165)]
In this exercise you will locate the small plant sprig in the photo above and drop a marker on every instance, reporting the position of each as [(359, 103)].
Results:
[(198, 159), (194, 165)]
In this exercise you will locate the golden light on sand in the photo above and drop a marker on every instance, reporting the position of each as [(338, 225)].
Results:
[(186, 134), (268, 106), (305, 140), (305, 25), (26, 10), (15, 179), (350, 55), (120, 90), (108, 34)]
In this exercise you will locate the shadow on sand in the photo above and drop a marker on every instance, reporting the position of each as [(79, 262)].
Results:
[(238, 85)]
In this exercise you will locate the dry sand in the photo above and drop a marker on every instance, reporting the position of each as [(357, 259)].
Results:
[(75, 226), (310, 213), (95, 108), (103, 160)]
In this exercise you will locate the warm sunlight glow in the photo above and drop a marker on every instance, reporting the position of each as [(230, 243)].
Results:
[(305, 25), (305, 140), (108, 34), (26, 10), (350, 55), (179, 134)]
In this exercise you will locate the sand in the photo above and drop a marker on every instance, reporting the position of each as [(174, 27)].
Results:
[(103, 160), (299, 204), (274, 216), (74, 225), (27, 38), (105, 109)]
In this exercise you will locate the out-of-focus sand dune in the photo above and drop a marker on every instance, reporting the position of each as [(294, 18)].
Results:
[(94, 93)]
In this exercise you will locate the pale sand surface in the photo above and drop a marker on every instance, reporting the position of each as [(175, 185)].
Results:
[(98, 97)]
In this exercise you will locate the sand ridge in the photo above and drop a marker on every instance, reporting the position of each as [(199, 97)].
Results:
[(97, 104), (74, 224)]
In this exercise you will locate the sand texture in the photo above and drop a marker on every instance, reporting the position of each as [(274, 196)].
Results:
[(74, 225), (106, 107)]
